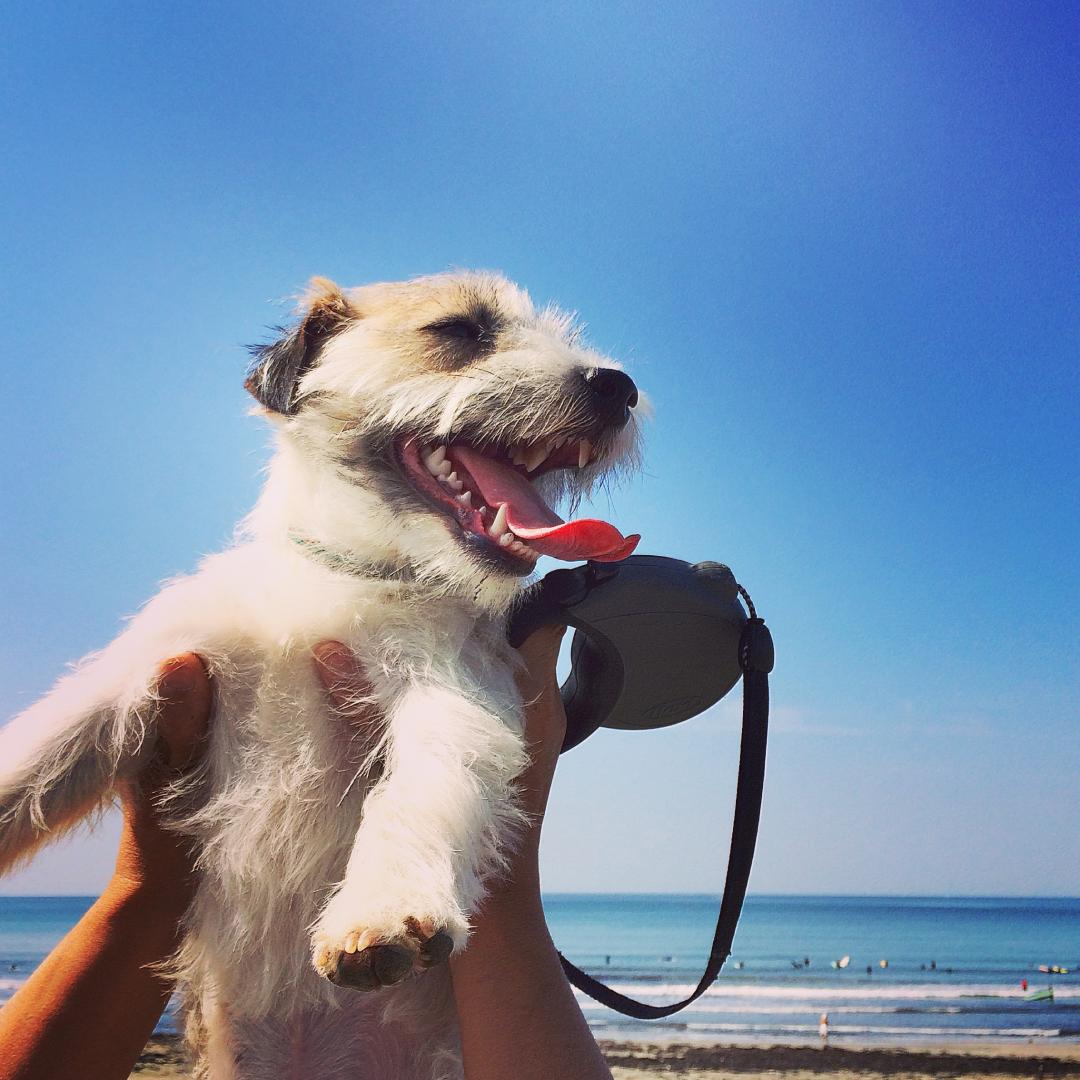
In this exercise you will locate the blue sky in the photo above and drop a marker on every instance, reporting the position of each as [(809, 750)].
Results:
[(837, 244)]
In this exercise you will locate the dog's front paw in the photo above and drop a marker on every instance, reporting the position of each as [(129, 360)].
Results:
[(370, 959)]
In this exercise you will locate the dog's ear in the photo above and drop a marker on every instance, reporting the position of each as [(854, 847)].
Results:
[(277, 368)]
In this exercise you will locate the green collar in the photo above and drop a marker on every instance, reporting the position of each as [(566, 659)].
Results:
[(345, 562)]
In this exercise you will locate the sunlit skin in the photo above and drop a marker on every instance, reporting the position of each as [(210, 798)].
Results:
[(94, 1001)]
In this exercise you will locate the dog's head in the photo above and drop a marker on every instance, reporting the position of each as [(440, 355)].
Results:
[(432, 423)]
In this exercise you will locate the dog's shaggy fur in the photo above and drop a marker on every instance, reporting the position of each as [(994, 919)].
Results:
[(305, 842)]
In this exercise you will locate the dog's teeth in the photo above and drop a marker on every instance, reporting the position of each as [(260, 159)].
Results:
[(561, 442), (506, 539), (584, 453), (535, 457), (517, 455), (498, 526), (435, 459), (453, 481), (519, 548), (445, 469), (465, 498)]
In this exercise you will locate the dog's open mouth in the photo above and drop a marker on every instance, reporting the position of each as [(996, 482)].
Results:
[(490, 495)]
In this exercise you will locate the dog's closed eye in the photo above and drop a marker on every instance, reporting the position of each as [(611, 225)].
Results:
[(460, 339), (464, 329)]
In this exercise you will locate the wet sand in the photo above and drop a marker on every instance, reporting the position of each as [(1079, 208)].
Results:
[(163, 1058), (631, 1061)]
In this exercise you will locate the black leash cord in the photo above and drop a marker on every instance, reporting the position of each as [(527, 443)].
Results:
[(756, 661)]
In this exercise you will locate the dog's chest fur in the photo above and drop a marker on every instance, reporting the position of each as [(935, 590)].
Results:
[(277, 808)]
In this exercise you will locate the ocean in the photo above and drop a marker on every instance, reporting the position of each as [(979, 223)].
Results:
[(954, 970)]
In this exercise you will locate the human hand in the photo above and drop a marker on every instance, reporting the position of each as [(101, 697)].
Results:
[(517, 1015), (545, 717), (545, 720), (347, 686), (153, 859), (98, 994)]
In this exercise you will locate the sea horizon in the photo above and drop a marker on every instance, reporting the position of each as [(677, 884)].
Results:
[(886, 968), (697, 893)]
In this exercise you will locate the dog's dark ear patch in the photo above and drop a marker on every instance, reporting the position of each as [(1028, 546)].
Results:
[(277, 368)]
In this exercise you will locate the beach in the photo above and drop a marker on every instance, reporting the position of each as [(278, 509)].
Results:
[(963, 991), (164, 1058), (631, 1061)]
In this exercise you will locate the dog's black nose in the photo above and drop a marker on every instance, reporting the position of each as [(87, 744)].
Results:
[(614, 394)]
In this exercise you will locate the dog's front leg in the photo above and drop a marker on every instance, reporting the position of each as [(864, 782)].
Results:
[(434, 828), (60, 758)]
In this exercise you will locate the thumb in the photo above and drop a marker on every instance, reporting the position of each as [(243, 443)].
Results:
[(185, 697), (343, 678), (540, 650)]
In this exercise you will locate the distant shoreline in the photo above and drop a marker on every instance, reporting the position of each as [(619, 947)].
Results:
[(696, 894)]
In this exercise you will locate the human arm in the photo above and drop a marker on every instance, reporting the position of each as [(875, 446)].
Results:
[(96, 997), (517, 1013)]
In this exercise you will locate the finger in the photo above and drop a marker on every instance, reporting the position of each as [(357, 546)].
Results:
[(343, 678), (544, 639), (184, 710), (540, 650)]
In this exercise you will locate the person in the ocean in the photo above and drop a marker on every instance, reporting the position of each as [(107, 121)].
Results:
[(94, 1001), (823, 1030)]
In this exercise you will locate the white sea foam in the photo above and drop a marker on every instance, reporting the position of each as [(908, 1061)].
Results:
[(919, 992), (765, 1009), (855, 1030)]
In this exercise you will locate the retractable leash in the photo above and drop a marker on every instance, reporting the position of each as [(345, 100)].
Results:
[(656, 642)]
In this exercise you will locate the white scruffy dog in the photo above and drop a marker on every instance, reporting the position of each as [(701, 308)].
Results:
[(422, 429)]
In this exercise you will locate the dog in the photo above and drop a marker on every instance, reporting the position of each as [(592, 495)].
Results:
[(423, 430)]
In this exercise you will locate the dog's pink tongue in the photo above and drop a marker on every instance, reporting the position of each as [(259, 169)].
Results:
[(533, 520)]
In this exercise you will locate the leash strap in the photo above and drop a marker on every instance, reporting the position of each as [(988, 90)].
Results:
[(756, 661)]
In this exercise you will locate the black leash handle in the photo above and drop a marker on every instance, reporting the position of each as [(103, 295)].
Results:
[(756, 657)]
